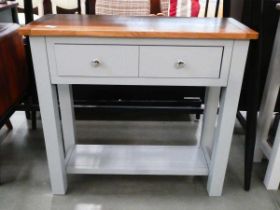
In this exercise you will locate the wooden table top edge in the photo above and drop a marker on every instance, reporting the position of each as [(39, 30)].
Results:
[(35, 29)]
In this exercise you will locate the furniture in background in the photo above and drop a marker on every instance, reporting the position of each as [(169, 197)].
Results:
[(269, 99), (13, 71), (123, 7), (249, 102), (37, 10), (137, 51), (68, 7), (262, 17), (8, 12)]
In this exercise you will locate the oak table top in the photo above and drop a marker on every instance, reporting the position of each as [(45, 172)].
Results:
[(138, 27)]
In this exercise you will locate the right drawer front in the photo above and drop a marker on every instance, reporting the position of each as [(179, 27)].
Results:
[(180, 62)]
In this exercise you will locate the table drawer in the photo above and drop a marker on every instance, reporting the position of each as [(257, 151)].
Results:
[(187, 61), (96, 60)]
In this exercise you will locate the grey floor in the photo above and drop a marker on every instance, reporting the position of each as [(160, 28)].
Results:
[(25, 182)]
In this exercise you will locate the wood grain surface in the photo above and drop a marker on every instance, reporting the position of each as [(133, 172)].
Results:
[(138, 27), (13, 67)]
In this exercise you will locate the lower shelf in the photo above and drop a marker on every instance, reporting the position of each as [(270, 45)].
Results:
[(137, 160)]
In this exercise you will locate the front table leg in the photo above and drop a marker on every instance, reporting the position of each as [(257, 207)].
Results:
[(47, 95), (226, 119)]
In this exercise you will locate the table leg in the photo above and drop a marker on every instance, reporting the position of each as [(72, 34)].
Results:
[(226, 119), (209, 117), (15, 15), (250, 142), (272, 175), (269, 97), (67, 115), (266, 113), (9, 125), (251, 126), (47, 95)]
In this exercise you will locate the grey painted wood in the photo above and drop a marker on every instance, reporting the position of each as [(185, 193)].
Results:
[(96, 60), (229, 78), (137, 160), (67, 116), (226, 119), (269, 99), (6, 16), (47, 95), (212, 97), (63, 71), (180, 62)]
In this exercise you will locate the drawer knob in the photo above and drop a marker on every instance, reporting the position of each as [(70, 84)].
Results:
[(95, 62), (180, 64)]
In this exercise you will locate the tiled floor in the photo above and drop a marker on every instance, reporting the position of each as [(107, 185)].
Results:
[(25, 182)]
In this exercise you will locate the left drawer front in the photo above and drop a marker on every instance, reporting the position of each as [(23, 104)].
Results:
[(96, 60)]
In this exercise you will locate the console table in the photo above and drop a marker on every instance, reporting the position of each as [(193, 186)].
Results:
[(107, 50)]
